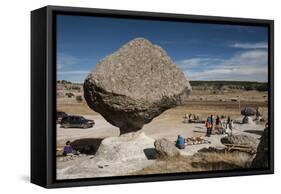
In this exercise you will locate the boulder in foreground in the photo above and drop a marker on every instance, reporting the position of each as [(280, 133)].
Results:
[(261, 159), (240, 140), (134, 85), (165, 148)]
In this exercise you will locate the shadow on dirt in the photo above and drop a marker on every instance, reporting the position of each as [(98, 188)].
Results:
[(150, 153), (87, 146), (257, 132)]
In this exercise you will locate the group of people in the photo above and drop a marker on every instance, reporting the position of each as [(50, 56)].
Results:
[(220, 126)]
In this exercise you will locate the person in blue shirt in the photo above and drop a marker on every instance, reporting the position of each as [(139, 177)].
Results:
[(180, 142), (209, 126)]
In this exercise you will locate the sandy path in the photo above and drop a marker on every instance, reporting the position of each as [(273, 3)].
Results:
[(161, 127), (101, 129)]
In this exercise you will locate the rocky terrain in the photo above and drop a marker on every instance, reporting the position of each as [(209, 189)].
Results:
[(139, 100), (138, 151)]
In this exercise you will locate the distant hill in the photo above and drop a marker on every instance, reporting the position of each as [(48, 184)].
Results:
[(206, 85), (220, 85)]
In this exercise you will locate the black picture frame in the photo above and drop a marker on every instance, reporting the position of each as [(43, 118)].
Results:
[(43, 95)]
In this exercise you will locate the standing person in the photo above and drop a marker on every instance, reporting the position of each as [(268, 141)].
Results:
[(231, 126), (209, 126), (228, 121), (218, 123), (212, 123)]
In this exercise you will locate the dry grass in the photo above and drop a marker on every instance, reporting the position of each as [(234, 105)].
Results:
[(77, 108), (204, 108), (200, 162)]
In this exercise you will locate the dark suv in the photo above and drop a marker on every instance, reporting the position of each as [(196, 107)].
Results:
[(60, 115), (76, 122)]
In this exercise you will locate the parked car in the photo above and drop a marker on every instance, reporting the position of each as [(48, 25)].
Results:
[(76, 121), (60, 115)]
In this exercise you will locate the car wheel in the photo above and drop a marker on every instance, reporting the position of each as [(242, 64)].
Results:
[(84, 126)]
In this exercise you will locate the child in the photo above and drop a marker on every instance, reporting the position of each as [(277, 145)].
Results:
[(67, 148), (180, 142)]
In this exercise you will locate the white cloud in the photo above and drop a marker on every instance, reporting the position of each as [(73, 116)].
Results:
[(65, 61), (75, 72), (259, 45), (193, 62), (246, 66)]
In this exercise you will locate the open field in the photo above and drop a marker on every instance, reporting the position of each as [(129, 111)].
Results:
[(168, 125)]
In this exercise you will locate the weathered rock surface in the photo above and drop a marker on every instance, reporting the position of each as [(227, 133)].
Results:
[(134, 85), (127, 147), (261, 159), (241, 140), (116, 156), (248, 111), (247, 120), (165, 148), (258, 112)]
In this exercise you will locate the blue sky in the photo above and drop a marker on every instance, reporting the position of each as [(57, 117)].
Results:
[(202, 51)]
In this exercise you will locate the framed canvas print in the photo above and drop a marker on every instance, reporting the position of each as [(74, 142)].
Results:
[(125, 96)]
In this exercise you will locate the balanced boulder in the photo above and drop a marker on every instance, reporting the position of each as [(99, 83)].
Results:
[(248, 111), (134, 85)]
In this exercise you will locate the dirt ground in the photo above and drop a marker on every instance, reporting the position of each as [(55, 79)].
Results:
[(170, 123)]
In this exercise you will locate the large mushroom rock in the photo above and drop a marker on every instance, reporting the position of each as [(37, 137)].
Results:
[(248, 111), (134, 85), (261, 159)]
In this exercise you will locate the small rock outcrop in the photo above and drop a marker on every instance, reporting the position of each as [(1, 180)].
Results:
[(165, 148), (240, 139), (247, 120), (248, 111), (261, 159), (134, 85), (258, 112)]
